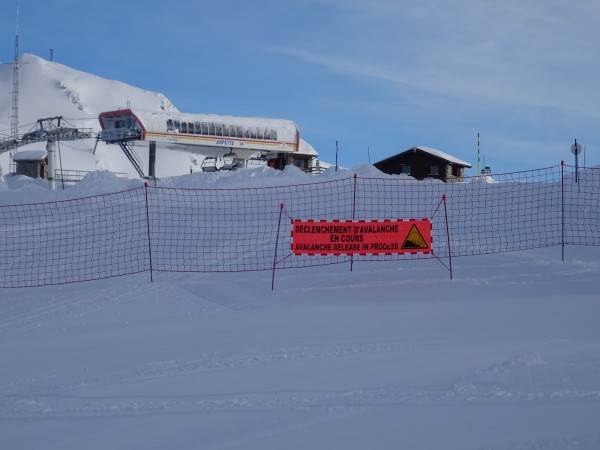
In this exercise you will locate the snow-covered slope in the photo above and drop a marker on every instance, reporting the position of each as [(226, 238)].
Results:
[(389, 356), (48, 89)]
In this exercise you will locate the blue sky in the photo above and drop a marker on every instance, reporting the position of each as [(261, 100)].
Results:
[(378, 77)]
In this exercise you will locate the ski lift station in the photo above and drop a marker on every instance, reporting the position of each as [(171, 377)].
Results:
[(234, 142)]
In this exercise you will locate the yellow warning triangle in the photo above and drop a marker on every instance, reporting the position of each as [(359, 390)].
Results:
[(414, 240)]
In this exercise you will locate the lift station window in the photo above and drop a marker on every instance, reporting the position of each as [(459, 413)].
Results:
[(213, 129)]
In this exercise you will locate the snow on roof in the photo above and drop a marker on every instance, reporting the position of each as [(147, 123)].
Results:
[(30, 155), (433, 152), (442, 155), (306, 148)]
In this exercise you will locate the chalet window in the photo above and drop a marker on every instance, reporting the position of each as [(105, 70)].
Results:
[(434, 170), (170, 125), (405, 169)]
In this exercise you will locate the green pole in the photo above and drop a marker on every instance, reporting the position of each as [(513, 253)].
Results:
[(478, 157)]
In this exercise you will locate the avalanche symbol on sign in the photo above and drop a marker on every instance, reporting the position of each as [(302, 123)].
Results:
[(414, 240)]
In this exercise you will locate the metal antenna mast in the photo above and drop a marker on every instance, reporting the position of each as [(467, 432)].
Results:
[(14, 123)]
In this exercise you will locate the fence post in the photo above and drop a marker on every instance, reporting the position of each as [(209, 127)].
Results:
[(276, 246), (448, 234), (148, 231), (562, 182), (353, 216)]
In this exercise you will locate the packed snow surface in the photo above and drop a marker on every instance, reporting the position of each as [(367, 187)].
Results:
[(386, 356)]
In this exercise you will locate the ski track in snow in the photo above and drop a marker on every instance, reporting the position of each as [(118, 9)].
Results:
[(19, 316), (522, 378), (495, 383), (546, 373), (589, 441)]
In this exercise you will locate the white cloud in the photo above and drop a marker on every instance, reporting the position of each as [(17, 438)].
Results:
[(534, 54)]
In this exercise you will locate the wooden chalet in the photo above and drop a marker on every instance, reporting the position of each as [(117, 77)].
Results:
[(424, 162)]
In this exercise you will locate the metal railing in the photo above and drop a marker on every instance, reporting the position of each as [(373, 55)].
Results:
[(74, 176)]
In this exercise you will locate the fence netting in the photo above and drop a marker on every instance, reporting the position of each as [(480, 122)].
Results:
[(73, 240), (166, 229)]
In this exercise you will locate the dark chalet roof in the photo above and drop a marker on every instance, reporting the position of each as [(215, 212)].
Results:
[(430, 151)]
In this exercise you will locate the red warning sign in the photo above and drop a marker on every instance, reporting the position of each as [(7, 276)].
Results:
[(361, 237)]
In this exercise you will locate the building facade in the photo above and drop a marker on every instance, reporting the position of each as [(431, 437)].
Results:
[(424, 162)]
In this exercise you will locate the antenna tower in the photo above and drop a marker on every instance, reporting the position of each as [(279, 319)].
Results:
[(14, 122)]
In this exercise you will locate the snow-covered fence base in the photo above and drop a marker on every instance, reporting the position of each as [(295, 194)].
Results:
[(161, 229)]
